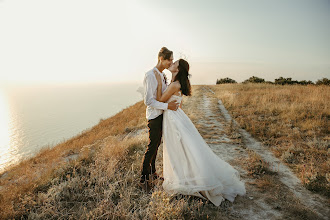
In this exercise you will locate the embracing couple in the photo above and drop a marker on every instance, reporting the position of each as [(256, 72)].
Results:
[(190, 167)]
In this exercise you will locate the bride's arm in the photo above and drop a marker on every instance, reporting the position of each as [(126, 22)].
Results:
[(172, 88)]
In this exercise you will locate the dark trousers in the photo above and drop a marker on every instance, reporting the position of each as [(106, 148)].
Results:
[(155, 135)]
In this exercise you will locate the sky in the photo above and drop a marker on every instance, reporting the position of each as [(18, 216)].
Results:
[(80, 41)]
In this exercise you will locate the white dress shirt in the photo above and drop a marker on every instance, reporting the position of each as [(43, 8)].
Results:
[(150, 83)]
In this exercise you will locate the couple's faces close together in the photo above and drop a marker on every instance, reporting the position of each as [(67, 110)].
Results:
[(167, 62), (173, 67)]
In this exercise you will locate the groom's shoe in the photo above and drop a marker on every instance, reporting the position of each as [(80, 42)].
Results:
[(155, 176), (145, 186), (144, 183)]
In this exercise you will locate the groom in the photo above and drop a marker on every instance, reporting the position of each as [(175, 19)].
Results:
[(154, 114)]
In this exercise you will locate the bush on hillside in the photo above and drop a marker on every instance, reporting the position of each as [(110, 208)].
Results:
[(225, 80), (324, 81), (304, 82), (285, 81), (254, 79)]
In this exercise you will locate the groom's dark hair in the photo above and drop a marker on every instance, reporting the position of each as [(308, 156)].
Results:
[(165, 53)]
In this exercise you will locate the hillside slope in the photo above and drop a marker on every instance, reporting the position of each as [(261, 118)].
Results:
[(95, 174)]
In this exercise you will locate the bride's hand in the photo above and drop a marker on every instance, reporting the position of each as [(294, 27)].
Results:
[(158, 77)]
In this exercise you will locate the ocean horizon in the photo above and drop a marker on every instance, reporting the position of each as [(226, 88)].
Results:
[(33, 117)]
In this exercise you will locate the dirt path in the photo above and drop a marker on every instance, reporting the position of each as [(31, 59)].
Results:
[(278, 195)]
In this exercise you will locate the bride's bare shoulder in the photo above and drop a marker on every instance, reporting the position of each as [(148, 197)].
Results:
[(176, 84)]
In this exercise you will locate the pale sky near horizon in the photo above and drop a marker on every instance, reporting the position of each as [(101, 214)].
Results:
[(79, 41)]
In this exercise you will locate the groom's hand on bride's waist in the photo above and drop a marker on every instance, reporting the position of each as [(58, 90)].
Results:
[(173, 105)]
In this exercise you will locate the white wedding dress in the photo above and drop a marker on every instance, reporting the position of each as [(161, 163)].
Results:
[(190, 167)]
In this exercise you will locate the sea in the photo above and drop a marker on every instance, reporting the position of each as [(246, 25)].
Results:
[(33, 117)]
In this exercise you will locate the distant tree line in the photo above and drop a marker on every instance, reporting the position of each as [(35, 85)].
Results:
[(278, 81)]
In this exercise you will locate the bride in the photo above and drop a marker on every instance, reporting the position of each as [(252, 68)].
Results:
[(189, 165)]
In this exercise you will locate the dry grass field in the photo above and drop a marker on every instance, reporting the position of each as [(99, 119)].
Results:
[(99, 183), (94, 175), (292, 120)]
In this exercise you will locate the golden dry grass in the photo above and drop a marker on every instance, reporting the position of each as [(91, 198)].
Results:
[(101, 183), (32, 174), (292, 120), (262, 180)]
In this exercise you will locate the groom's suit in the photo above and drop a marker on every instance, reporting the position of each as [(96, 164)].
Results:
[(154, 115)]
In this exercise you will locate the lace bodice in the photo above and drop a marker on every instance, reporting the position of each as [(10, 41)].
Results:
[(177, 98)]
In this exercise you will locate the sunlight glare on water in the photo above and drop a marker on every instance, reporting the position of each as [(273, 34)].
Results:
[(35, 117), (8, 147)]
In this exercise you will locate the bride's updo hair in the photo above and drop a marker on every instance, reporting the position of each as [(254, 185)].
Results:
[(182, 77)]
